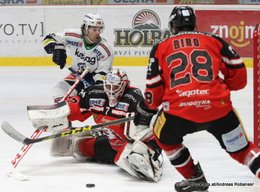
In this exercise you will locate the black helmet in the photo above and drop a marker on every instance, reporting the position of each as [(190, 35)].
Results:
[(182, 18)]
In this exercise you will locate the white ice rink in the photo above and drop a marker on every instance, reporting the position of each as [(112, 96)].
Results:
[(22, 86)]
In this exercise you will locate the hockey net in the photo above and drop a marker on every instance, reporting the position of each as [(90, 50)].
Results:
[(256, 68)]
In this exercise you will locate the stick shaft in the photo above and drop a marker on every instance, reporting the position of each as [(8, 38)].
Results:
[(75, 131)]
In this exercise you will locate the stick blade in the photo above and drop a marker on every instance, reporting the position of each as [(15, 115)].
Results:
[(16, 174), (10, 130)]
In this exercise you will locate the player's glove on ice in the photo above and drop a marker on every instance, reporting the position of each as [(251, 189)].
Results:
[(59, 55), (143, 114)]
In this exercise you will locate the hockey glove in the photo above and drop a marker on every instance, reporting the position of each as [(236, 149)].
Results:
[(143, 114), (59, 55), (49, 44)]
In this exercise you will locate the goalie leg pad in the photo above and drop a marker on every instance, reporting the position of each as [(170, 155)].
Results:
[(69, 146), (137, 159), (62, 147), (140, 132)]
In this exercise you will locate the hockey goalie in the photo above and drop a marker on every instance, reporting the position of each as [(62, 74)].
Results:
[(131, 148)]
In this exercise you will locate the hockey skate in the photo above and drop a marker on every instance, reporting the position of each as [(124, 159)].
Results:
[(196, 183)]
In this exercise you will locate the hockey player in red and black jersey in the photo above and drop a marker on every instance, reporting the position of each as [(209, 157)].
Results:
[(133, 149), (87, 50), (191, 74)]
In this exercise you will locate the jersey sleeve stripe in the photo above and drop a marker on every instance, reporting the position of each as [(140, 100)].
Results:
[(105, 48), (232, 61), (153, 80), (150, 86), (73, 34)]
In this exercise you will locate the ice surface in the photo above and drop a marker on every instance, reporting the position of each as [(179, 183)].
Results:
[(22, 86)]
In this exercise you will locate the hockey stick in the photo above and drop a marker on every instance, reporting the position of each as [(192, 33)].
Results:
[(12, 132), (80, 78), (18, 157), (85, 83)]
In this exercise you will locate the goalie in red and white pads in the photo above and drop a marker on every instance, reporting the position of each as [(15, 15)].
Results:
[(132, 148)]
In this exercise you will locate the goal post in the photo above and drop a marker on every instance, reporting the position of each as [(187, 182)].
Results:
[(256, 83)]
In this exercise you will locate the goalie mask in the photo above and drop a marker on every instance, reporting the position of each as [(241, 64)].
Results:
[(115, 83), (182, 19)]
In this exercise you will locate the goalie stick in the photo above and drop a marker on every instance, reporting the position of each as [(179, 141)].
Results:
[(12, 132), (19, 156)]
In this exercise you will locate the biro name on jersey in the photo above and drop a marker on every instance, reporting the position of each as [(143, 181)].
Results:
[(90, 60)]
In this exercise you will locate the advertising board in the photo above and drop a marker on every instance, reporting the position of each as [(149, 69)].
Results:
[(130, 30)]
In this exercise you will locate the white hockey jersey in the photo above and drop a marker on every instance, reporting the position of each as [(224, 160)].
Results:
[(98, 58)]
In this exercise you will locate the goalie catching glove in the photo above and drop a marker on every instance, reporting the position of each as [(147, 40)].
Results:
[(55, 117)]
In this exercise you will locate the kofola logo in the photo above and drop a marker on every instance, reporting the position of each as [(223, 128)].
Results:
[(240, 35), (145, 32)]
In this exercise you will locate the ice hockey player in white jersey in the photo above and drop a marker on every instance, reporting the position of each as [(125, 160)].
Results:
[(87, 49)]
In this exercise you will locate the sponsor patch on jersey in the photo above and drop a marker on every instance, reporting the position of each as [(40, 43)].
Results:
[(199, 103), (122, 106), (130, 96), (194, 92), (97, 102), (97, 108), (98, 53), (235, 140), (74, 43), (90, 60), (118, 112), (96, 91), (166, 106)]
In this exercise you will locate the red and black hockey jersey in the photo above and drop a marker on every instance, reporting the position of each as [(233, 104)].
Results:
[(191, 74), (94, 102)]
